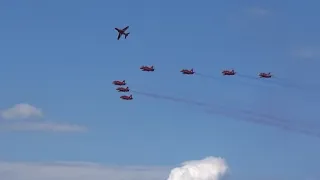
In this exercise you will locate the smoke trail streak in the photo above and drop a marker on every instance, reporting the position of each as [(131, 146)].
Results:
[(270, 81), (311, 90), (308, 125), (206, 76), (266, 121), (223, 80), (306, 88), (243, 76), (283, 84), (243, 111), (251, 116)]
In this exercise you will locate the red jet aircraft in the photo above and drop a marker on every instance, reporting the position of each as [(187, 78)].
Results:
[(122, 32), (228, 72), (188, 72), (126, 97), (147, 68), (265, 75), (122, 89), (119, 83)]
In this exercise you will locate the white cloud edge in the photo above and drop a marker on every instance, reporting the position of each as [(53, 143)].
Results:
[(79, 171), (42, 126), (21, 111), (21, 114), (207, 168)]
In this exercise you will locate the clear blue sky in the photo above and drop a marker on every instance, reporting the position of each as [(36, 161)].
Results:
[(62, 56)]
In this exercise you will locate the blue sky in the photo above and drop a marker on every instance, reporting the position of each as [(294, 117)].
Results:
[(61, 57)]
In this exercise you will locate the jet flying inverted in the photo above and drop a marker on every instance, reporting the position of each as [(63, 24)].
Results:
[(126, 97), (228, 72), (122, 32), (265, 75), (119, 83), (147, 68), (188, 72), (122, 89)]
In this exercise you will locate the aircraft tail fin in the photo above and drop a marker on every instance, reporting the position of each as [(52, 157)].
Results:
[(126, 35)]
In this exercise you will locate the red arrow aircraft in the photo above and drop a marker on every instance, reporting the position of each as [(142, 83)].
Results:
[(122, 32), (265, 75), (188, 72), (126, 97), (228, 72), (119, 83), (122, 89), (147, 68)]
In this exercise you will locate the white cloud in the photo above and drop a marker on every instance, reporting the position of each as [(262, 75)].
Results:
[(43, 126), (258, 11), (28, 113), (210, 168), (21, 111)]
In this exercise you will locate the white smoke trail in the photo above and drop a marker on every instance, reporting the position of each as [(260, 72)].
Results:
[(210, 168)]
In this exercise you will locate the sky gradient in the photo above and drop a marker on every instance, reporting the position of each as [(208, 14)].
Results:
[(59, 58)]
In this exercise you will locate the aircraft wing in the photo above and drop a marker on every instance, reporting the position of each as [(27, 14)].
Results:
[(119, 35), (124, 29)]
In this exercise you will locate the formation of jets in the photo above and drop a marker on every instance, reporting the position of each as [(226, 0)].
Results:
[(152, 69), (122, 89)]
